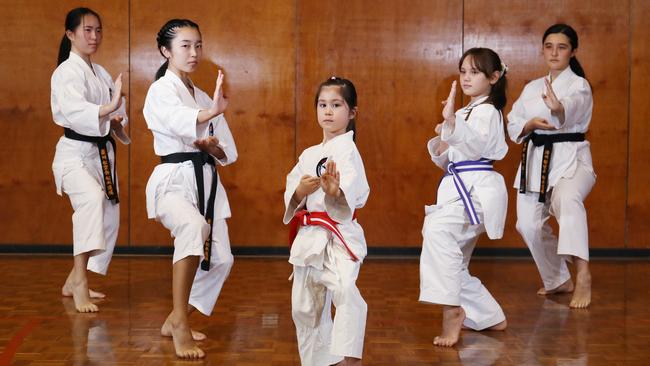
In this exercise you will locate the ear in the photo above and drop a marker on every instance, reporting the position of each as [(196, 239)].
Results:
[(70, 35), (495, 77), (165, 52), (573, 52), (353, 113)]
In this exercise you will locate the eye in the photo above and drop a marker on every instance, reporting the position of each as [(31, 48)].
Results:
[(321, 105), (199, 46)]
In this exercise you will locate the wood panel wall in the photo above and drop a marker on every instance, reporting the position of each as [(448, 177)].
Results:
[(402, 58)]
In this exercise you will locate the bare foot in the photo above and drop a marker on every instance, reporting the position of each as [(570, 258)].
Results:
[(183, 342), (582, 295), (501, 326), (566, 287), (452, 321), (65, 291), (166, 331), (81, 297)]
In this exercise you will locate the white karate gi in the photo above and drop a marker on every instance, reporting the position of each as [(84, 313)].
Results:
[(323, 268), (449, 238), (172, 197), (571, 177), (78, 91)]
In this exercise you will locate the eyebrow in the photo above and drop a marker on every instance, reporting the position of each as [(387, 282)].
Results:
[(559, 43)]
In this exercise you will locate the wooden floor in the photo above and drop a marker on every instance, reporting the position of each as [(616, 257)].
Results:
[(252, 321)]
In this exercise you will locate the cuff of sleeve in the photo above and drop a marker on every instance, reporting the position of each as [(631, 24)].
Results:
[(224, 160), (453, 135), (432, 146), (292, 208), (338, 208)]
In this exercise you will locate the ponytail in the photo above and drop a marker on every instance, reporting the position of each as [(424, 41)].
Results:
[(162, 70), (64, 49), (72, 21), (575, 66)]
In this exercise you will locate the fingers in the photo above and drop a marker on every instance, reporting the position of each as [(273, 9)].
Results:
[(219, 80), (452, 92)]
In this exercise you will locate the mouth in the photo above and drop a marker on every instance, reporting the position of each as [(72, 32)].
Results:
[(466, 86)]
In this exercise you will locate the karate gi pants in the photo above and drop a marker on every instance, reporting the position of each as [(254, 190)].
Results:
[(321, 342), (449, 240), (566, 202)]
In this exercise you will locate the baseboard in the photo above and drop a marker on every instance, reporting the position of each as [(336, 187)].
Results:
[(265, 251)]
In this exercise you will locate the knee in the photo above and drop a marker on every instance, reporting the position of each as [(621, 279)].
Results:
[(94, 198), (348, 294), (193, 225), (528, 228), (565, 200)]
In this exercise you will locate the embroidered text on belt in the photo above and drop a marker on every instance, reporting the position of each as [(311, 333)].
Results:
[(454, 169), (322, 219), (198, 160), (107, 172), (546, 140)]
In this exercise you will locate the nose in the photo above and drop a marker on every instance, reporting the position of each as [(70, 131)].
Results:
[(554, 51), (193, 51), (328, 110)]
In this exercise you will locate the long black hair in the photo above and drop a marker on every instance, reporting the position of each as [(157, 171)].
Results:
[(573, 39), (487, 61), (72, 21), (165, 36), (349, 94)]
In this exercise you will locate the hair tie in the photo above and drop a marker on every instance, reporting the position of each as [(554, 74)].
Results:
[(504, 69)]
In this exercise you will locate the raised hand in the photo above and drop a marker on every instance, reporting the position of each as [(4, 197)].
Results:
[(329, 180), (550, 99), (219, 100), (116, 99), (448, 112), (307, 186)]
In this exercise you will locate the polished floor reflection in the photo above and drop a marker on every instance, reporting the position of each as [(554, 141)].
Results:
[(252, 320)]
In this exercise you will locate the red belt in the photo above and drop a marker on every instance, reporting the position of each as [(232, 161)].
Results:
[(322, 219)]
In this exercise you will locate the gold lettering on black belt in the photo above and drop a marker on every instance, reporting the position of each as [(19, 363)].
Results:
[(108, 173), (547, 141), (199, 159)]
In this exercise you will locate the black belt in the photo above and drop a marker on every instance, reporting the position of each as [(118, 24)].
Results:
[(547, 141), (198, 160), (100, 141)]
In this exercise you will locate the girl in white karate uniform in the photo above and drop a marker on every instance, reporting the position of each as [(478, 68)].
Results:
[(472, 198), (89, 106), (556, 174), (324, 189), (184, 192)]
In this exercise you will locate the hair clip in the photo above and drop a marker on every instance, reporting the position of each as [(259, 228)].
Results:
[(333, 78)]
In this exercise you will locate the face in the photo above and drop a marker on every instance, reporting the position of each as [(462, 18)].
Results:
[(87, 37), (473, 81), (186, 50), (557, 51), (333, 112)]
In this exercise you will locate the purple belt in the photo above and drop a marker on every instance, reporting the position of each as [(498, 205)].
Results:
[(454, 169)]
